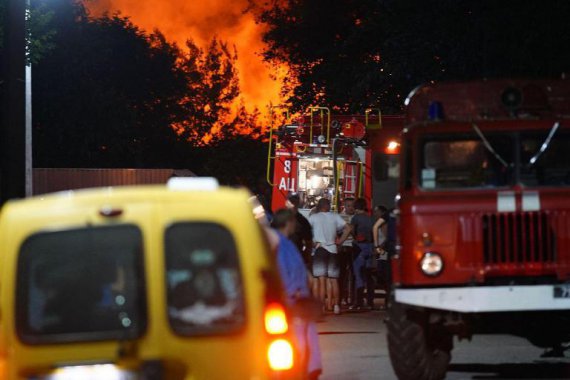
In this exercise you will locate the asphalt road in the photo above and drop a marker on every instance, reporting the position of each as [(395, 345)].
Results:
[(354, 348)]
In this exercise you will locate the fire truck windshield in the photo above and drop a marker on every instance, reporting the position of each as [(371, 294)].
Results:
[(552, 167), (465, 161), (459, 162)]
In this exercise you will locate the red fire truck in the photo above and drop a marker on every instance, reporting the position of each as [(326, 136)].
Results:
[(321, 155), (483, 220)]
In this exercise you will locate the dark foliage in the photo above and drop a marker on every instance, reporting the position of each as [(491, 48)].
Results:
[(355, 53), (110, 95), (231, 161), (105, 96)]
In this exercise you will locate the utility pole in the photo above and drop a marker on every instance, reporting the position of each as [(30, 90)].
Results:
[(15, 114), (28, 167)]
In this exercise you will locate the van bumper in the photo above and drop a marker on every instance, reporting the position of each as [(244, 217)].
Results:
[(481, 299)]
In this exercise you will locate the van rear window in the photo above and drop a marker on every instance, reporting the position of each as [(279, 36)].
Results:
[(204, 286), (81, 285)]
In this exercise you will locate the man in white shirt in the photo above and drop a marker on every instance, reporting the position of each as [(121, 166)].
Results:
[(326, 226)]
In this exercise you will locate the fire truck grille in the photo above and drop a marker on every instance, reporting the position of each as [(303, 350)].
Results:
[(518, 238)]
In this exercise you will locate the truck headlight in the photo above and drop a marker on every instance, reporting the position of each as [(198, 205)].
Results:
[(431, 264)]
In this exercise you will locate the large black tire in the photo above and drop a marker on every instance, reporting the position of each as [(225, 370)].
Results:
[(415, 352)]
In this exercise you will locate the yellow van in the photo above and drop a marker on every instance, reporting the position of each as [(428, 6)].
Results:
[(155, 282)]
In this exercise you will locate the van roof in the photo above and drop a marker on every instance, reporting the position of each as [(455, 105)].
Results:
[(127, 194)]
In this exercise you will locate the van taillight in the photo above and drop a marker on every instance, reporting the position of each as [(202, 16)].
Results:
[(280, 355), (280, 349), (275, 319)]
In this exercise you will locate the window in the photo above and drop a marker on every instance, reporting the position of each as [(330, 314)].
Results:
[(316, 180), (466, 163), (204, 283), (81, 285), (552, 167), (385, 166)]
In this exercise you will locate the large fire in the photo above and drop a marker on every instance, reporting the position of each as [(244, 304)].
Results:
[(201, 20)]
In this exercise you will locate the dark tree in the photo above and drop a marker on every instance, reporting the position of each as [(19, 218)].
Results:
[(212, 87), (331, 48), (105, 96), (40, 33), (110, 94), (238, 160), (352, 54)]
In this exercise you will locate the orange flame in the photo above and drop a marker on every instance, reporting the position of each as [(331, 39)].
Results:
[(202, 20)]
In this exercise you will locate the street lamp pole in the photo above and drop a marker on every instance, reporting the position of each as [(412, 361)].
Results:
[(28, 168), (15, 152)]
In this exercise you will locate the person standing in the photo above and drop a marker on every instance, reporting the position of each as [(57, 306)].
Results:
[(380, 231), (295, 282), (326, 225), (303, 234), (379, 215), (385, 245), (361, 229), (346, 256)]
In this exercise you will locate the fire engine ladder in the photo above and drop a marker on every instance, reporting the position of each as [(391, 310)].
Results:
[(353, 176), (351, 182), (271, 157), (350, 179), (323, 111)]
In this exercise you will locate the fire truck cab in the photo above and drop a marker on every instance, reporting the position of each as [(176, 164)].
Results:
[(483, 220)]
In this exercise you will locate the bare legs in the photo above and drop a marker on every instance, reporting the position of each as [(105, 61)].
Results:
[(322, 288), (332, 292), (311, 280)]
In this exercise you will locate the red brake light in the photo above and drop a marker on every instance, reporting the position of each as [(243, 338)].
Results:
[(275, 319), (280, 355)]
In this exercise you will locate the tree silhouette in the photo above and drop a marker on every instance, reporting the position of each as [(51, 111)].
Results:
[(108, 94), (112, 95), (104, 94), (355, 53), (212, 87)]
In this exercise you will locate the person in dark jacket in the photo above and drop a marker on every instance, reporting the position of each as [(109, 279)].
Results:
[(361, 229), (296, 287), (302, 237)]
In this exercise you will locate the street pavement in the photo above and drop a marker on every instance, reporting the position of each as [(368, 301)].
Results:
[(354, 348)]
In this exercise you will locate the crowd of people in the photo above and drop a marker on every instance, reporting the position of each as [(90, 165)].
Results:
[(349, 255), (335, 258)]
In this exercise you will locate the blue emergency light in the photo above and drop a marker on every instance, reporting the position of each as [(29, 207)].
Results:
[(435, 111)]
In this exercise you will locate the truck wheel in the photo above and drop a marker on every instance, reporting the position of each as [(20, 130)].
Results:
[(415, 352)]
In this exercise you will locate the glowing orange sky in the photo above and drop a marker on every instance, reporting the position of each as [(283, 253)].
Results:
[(201, 20)]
